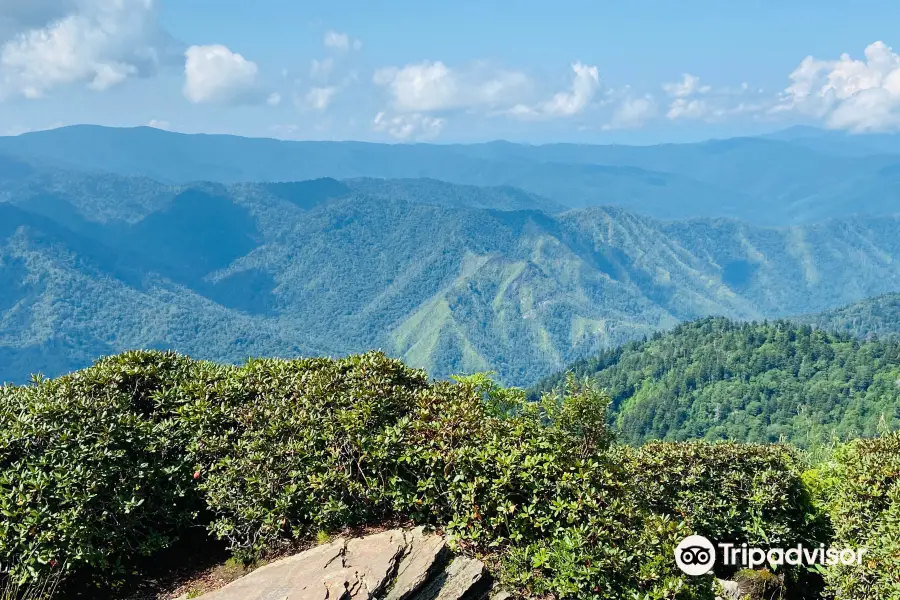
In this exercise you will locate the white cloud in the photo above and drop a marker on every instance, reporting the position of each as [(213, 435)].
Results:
[(321, 73), (164, 125), (850, 94), (408, 126), (693, 100), (423, 87), (97, 42), (688, 108), (216, 74), (632, 113), (688, 86), (685, 104), (274, 99), (433, 86), (422, 94), (341, 42), (320, 98), (585, 85)]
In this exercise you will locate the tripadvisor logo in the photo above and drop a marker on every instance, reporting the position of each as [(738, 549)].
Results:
[(696, 555)]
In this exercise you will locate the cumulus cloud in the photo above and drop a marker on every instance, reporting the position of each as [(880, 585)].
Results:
[(216, 74), (157, 124), (685, 103), (433, 86), (850, 94), (421, 95), (688, 86), (585, 85), (97, 42), (694, 100), (632, 113), (688, 108), (414, 126), (341, 42)]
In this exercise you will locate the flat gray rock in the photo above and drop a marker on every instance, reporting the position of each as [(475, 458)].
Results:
[(391, 565), (310, 575), (374, 559), (425, 554), (462, 578)]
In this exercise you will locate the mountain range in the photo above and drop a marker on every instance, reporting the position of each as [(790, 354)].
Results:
[(453, 277), (798, 176)]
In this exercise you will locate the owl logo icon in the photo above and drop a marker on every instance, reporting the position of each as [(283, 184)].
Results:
[(695, 555)]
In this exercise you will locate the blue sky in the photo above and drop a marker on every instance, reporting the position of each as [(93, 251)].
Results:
[(583, 71)]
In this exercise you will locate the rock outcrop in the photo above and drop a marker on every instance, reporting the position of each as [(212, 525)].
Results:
[(392, 565)]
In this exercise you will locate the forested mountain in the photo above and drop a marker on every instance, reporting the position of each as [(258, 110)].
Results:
[(448, 277), (877, 317), (757, 382), (797, 178)]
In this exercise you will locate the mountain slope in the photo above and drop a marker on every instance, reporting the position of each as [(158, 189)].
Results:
[(65, 300), (757, 382)]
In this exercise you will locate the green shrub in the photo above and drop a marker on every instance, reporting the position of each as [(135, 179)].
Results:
[(727, 491), (286, 449), (92, 474), (862, 492), (731, 492), (283, 449), (537, 484)]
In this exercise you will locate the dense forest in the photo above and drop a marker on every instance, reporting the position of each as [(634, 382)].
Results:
[(877, 317), (755, 382)]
